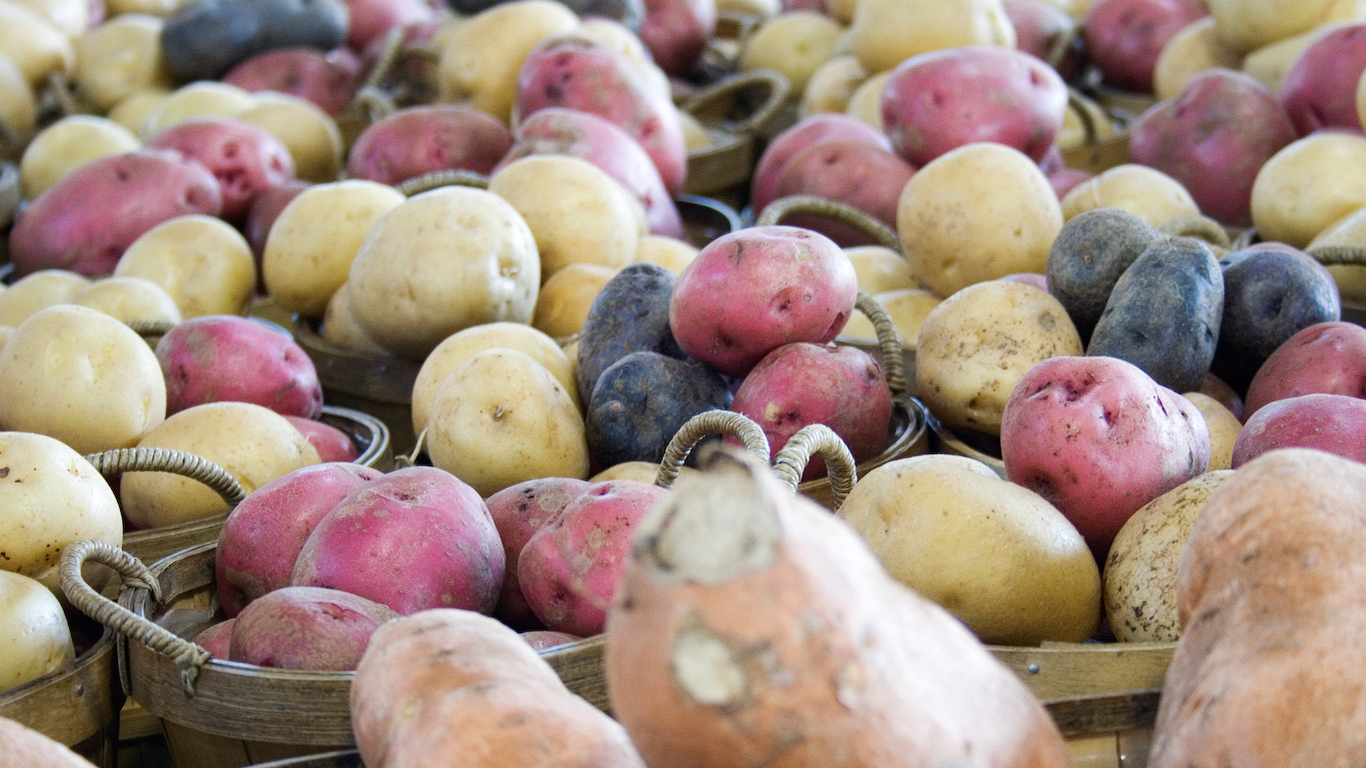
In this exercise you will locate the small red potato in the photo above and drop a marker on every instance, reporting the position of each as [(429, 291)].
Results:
[(1320, 89), (786, 145), (518, 512), (371, 20), (246, 159), (328, 79), (1325, 358), (306, 628), (1332, 423), (217, 639), (1125, 37), (418, 140), (1098, 438), (863, 176), (331, 443), (676, 32)]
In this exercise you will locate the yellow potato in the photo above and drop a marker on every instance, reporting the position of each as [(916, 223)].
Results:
[(978, 343), (1145, 192), (129, 298), (70, 17), (313, 241), (18, 108), (339, 326), (976, 213), (6, 331), (1223, 429), (68, 144), (639, 471), (310, 134), (1189, 52), (163, 8), (459, 347), (577, 213), (203, 98), (50, 497), (866, 101), (695, 135), (885, 33), (832, 86), (35, 639), (442, 261), (481, 57), (565, 298), (254, 444), (880, 269), (119, 58), (793, 44), (1245, 25), (80, 376), (1308, 185), (1270, 63), (908, 309), (132, 111), (34, 291), (1349, 230), (36, 47), (204, 263), (668, 252), (984, 548), (1140, 569), (500, 419)]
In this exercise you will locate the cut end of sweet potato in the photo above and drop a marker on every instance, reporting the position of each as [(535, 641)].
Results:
[(707, 670)]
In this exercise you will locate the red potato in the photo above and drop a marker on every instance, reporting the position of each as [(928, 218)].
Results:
[(941, 100), (413, 539), (578, 73), (560, 131), (328, 79), (676, 33), (245, 158), (1320, 88), (809, 131), (371, 20), (754, 290), (1098, 438), (798, 384), (1039, 25), (518, 512), (543, 639), (1214, 137), (865, 177), (331, 443), (1125, 37), (212, 358), (417, 140), (1325, 358), (570, 569), (217, 639), (61, 229), (1332, 423), (263, 535), (306, 628)]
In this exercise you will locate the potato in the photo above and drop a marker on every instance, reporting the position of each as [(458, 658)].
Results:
[(667, 252), (205, 40), (132, 111), (328, 79), (1324, 358), (1245, 27), (68, 144), (565, 298), (128, 299), (976, 213), (82, 377), (426, 138), (1089, 255), (306, 628), (339, 325), (501, 418), (34, 45), (865, 103), (50, 496), (866, 177), (518, 511), (1319, 90), (884, 33), (630, 314), (460, 346), (120, 57), (1270, 63), (952, 530), (908, 309), (577, 213), (440, 262), (1145, 192), (975, 345), (832, 86), (1308, 185), (1140, 571), (1349, 230), (677, 32), (253, 443), (640, 471), (310, 134), (202, 98), (245, 158), (18, 108), (1124, 38), (203, 262), (793, 44), (1223, 425), (313, 241), (880, 269), (792, 141), (37, 290), (1327, 422), (36, 639)]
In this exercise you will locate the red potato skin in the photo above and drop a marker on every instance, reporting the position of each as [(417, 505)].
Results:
[(1098, 438), (754, 290), (331, 443), (676, 33), (371, 20), (572, 566), (1332, 423), (1325, 358), (261, 215), (1038, 26), (217, 639), (1214, 137), (578, 73), (328, 79), (1319, 90), (810, 130), (306, 628), (229, 357), (246, 159), (940, 100), (1125, 37), (865, 177), (61, 229), (1064, 180), (263, 534), (560, 131), (419, 140), (414, 539), (839, 386), (518, 512)]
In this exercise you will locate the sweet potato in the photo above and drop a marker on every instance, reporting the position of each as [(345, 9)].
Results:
[(755, 628), (306, 628)]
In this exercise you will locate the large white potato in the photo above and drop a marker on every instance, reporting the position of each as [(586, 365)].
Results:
[(203, 262), (34, 637), (1244, 25), (501, 418), (68, 144), (668, 252), (885, 33), (71, 17), (1350, 230), (339, 326), (1308, 185), (121, 57), (832, 86), (880, 269), (80, 376), (907, 307), (18, 107), (37, 290), (1224, 428), (440, 262), (202, 98), (50, 496)]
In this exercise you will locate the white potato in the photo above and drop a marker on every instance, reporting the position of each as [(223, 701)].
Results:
[(68, 144), (119, 58), (129, 298), (37, 290), (565, 298), (1145, 192), (203, 262), (34, 637)]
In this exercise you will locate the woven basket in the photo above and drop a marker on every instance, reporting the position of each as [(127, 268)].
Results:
[(1098, 154), (723, 168)]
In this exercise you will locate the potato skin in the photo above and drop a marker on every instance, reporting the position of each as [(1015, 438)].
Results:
[(1326, 357), (421, 139), (1331, 423), (630, 314), (518, 511), (306, 628), (204, 40), (1088, 257), (1164, 313)]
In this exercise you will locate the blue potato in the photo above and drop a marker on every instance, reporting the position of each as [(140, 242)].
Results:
[(1087, 258), (630, 314), (209, 37)]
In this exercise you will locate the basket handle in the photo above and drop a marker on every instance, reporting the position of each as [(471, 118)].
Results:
[(791, 461), (709, 423), (1082, 109), (1062, 45), (188, 656), (1198, 227), (831, 209), (182, 463), (443, 178), (1339, 255), (889, 343), (778, 88)]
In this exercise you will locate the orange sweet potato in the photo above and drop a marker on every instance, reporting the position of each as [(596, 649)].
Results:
[(1269, 588), (754, 628)]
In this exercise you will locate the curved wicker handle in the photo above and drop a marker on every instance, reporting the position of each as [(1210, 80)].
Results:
[(437, 179), (170, 460), (778, 88), (709, 423), (1062, 45), (1198, 227), (1082, 109), (1339, 255), (10, 197), (791, 461), (58, 90), (1244, 239), (188, 656), (889, 343), (147, 328), (786, 206)]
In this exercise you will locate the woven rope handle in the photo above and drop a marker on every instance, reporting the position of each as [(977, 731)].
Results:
[(1199, 227), (446, 178), (188, 656), (1339, 255), (146, 328), (1062, 45), (783, 207), (706, 423), (791, 461), (1082, 109), (777, 85), (889, 343), (170, 460)]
